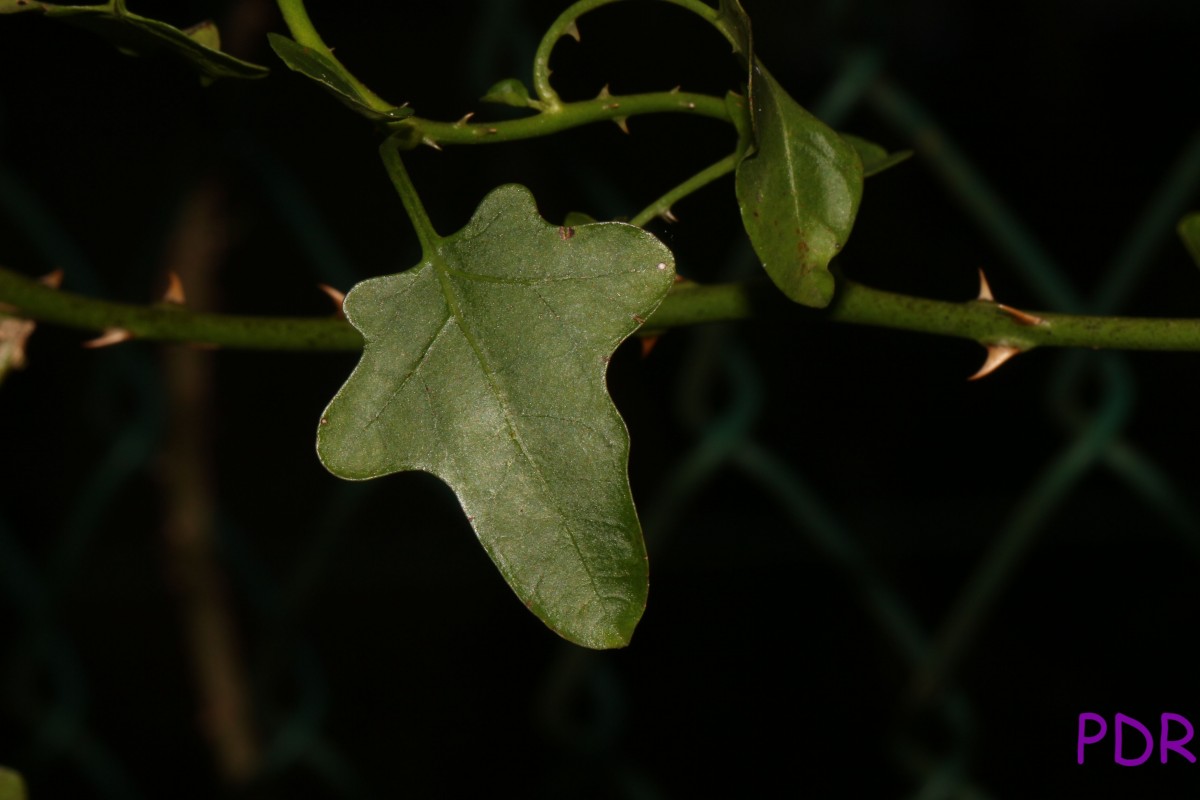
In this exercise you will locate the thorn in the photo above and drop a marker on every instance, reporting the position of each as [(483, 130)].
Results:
[(985, 291), (110, 337), (997, 354), (604, 92), (1018, 316), (427, 141), (14, 333), (1021, 317), (572, 30), (622, 123), (465, 119), (648, 343), (337, 297), (52, 279), (675, 90), (668, 215), (174, 293)]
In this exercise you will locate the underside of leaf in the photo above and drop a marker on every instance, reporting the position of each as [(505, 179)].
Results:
[(485, 365)]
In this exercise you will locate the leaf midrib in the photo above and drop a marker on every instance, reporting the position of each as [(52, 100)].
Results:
[(444, 272)]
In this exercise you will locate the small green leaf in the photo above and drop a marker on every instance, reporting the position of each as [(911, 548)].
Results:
[(11, 785), (1189, 231), (875, 159), (332, 76), (484, 365), (132, 34), (798, 191), (508, 92), (799, 183)]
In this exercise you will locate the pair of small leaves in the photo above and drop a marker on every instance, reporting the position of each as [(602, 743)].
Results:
[(485, 366), (199, 46)]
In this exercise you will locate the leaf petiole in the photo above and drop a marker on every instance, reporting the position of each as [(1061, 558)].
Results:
[(426, 234)]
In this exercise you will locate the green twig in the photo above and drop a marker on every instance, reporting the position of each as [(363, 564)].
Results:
[(662, 206), (566, 25), (417, 130), (426, 234), (687, 304), (167, 323)]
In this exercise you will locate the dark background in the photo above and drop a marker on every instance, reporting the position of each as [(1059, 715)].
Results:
[(798, 481)]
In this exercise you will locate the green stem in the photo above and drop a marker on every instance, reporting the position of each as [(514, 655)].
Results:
[(561, 27), (662, 205), (687, 304), (416, 130), (295, 16), (983, 322), (565, 25), (426, 234), (173, 324), (700, 9)]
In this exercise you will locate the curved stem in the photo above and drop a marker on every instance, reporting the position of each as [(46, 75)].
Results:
[(566, 25), (662, 206), (700, 9)]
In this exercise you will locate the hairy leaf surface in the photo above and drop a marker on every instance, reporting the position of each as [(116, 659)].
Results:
[(485, 365)]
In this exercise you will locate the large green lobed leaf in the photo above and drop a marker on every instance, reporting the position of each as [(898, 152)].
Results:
[(485, 365)]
